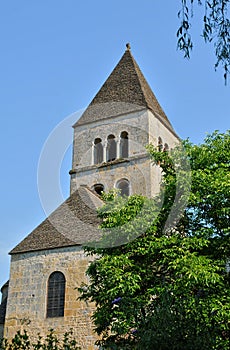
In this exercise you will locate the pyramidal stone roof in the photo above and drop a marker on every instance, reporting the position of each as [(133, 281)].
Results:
[(74, 222), (126, 90)]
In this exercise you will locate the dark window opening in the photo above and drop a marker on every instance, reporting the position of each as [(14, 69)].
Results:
[(124, 187), (111, 148), (166, 147), (98, 188), (124, 145), (56, 295), (160, 144), (98, 151)]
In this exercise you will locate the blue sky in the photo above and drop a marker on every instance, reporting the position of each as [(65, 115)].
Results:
[(54, 57)]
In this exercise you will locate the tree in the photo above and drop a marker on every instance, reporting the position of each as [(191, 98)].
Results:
[(167, 289), (216, 29), (22, 341)]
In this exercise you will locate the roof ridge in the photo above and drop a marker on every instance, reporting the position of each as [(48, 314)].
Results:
[(140, 76), (138, 70)]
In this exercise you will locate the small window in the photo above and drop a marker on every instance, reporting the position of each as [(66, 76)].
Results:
[(166, 147), (56, 295), (124, 145), (98, 188), (98, 151), (124, 186), (111, 148), (160, 144)]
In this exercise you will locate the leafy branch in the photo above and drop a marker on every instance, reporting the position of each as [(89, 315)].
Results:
[(216, 29)]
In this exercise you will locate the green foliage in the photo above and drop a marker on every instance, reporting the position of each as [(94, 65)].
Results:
[(216, 29), (123, 219), (22, 341), (168, 290)]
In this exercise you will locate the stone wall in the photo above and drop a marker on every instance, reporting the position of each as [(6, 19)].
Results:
[(136, 124), (159, 129), (142, 128), (136, 170), (86, 173), (26, 308)]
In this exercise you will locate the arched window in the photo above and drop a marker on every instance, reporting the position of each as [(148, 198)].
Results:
[(124, 187), (160, 144), (124, 145), (166, 147), (56, 295), (98, 188), (111, 148), (98, 151)]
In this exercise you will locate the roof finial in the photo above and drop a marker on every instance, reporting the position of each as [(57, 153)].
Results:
[(128, 46)]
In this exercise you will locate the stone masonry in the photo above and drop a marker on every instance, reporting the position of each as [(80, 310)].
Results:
[(27, 294), (143, 128)]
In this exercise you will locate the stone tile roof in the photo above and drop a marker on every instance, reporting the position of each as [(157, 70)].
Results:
[(126, 90), (74, 222)]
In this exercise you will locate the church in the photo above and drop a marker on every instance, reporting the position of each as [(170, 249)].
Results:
[(109, 152)]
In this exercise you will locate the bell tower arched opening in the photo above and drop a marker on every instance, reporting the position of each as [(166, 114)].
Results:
[(111, 148), (124, 145), (98, 151), (124, 186)]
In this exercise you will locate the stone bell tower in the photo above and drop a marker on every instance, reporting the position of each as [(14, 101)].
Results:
[(111, 135), (49, 264)]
